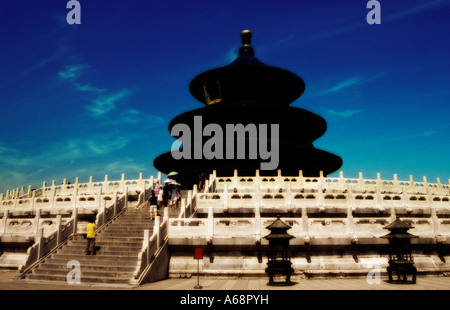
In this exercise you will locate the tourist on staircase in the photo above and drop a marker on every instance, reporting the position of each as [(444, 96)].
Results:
[(90, 236), (153, 202)]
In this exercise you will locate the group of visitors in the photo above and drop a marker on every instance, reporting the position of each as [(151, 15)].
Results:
[(161, 197)]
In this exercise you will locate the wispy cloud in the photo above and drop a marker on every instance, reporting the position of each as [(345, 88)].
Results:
[(133, 116), (349, 82), (11, 157), (399, 138), (343, 114), (5, 149), (72, 72), (106, 103), (342, 85), (232, 54), (126, 164), (414, 10), (286, 39), (88, 88), (428, 133), (107, 143)]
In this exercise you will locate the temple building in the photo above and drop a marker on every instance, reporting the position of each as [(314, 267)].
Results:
[(250, 93)]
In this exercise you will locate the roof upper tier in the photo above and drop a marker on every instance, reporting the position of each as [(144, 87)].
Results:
[(247, 79)]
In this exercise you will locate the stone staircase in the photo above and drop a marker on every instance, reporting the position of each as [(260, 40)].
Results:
[(117, 247)]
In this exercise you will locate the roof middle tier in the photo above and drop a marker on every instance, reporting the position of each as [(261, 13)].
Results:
[(247, 79), (295, 124)]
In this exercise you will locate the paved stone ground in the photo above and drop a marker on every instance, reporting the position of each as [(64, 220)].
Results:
[(8, 282), (426, 283)]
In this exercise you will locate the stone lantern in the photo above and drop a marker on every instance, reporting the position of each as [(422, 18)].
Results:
[(400, 253), (279, 261)]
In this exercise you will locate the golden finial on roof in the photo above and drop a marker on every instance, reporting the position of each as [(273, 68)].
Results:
[(246, 36)]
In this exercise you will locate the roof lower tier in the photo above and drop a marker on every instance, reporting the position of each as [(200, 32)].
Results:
[(291, 159)]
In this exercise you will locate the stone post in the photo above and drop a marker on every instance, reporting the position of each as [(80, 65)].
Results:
[(126, 197), (189, 202), (105, 184), (115, 203), (305, 224), (205, 190), (279, 179), (411, 183), (141, 182), (395, 182), (90, 184), (75, 197), (39, 240), (160, 178), (289, 197), (183, 207), (210, 226), (103, 208), (16, 202), (58, 229), (157, 230), (301, 179), (351, 226), (257, 224), (425, 182), (145, 244), (75, 220), (225, 197), (33, 200), (194, 190), (257, 180), (4, 221), (36, 222), (99, 197), (53, 192), (122, 183), (166, 214), (320, 202)]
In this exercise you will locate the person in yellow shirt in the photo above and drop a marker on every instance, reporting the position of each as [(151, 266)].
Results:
[(90, 236)]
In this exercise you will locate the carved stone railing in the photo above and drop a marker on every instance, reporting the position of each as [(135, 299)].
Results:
[(49, 196), (106, 214), (150, 253), (43, 246), (360, 184), (291, 193)]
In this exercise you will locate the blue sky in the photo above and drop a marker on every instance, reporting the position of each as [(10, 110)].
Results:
[(96, 98)]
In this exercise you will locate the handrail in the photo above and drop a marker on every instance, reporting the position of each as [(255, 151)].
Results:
[(107, 214), (143, 197), (45, 246), (151, 247)]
